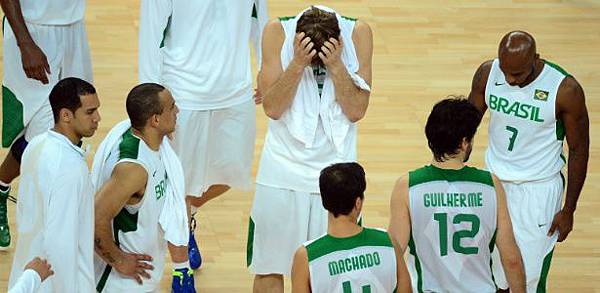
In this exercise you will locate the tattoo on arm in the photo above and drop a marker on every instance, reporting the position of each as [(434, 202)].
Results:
[(103, 251)]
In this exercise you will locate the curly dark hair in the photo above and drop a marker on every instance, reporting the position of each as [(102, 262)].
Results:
[(451, 120)]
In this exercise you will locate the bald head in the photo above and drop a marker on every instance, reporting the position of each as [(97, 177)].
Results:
[(517, 43), (517, 55)]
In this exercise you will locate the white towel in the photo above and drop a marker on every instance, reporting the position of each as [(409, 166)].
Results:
[(173, 217), (302, 117)]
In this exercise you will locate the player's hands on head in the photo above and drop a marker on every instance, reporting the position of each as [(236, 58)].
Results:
[(331, 53), (303, 50), (34, 62), (41, 267), (134, 265)]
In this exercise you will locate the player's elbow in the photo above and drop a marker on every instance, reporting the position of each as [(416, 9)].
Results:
[(271, 111)]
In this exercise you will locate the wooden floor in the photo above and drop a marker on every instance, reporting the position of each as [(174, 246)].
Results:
[(424, 50)]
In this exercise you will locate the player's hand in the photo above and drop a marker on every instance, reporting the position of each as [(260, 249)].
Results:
[(34, 62), (331, 53), (563, 221), (41, 267), (303, 50), (257, 97), (134, 265)]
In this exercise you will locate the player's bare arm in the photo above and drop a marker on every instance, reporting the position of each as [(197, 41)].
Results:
[(572, 111), (399, 226), (477, 94), (300, 272), (399, 231), (127, 180), (403, 283), (353, 100), (510, 255), (277, 85), (33, 59)]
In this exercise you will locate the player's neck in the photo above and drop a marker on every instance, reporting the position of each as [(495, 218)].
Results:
[(342, 226), (455, 162), (153, 139), (73, 137)]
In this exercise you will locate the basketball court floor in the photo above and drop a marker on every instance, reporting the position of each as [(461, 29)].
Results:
[(423, 51)]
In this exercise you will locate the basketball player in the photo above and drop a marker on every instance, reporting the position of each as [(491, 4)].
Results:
[(315, 80), (56, 197), (349, 256), (44, 41), (200, 51), (534, 104), (450, 215), (36, 272), (129, 240)]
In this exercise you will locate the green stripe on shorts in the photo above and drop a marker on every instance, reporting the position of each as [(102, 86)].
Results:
[(250, 243), (12, 117), (541, 287)]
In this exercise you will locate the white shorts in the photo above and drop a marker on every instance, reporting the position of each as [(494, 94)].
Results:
[(25, 105), (216, 147), (280, 221), (532, 207)]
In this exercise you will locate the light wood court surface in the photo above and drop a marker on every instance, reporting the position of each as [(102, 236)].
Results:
[(424, 50)]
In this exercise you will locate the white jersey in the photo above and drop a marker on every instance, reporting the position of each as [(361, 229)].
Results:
[(288, 163), (453, 229), (136, 228), (525, 138), (53, 12), (200, 49), (55, 214), (365, 261)]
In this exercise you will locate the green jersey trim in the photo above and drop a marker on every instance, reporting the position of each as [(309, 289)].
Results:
[(165, 31), (129, 146), (558, 68), (412, 249), (328, 244), (431, 173), (125, 222)]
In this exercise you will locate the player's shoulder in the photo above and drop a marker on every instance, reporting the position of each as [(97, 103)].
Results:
[(570, 86), (485, 67), (274, 28)]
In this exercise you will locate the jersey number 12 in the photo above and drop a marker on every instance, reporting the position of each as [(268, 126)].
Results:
[(442, 219)]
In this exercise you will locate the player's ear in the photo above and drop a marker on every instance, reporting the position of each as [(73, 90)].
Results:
[(464, 146), (358, 204), (65, 115)]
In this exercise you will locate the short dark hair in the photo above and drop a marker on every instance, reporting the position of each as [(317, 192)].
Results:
[(341, 184), (451, 120), (320, 26), (143, 102), (66, 94)]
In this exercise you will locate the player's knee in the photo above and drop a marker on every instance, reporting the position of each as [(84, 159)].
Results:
[(18, 148)]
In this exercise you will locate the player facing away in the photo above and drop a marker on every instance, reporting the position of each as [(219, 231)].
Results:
[(200, 51), (348, 258), (450, 215), (534, 105), (44, 41)]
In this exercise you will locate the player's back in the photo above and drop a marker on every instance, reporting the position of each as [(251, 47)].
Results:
[(365, 261), (453, 226)]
